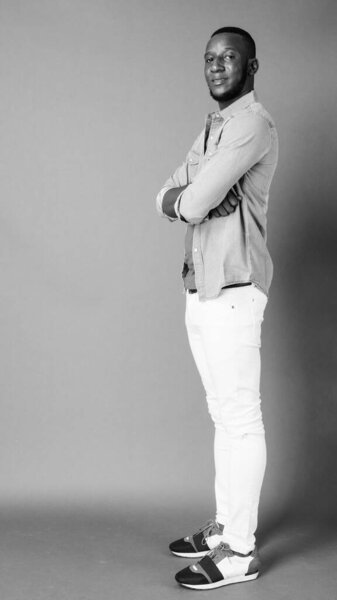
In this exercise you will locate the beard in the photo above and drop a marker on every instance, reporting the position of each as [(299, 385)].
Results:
[(235, 91)]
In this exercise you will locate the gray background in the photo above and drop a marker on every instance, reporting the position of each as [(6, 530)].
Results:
[(101, 405)]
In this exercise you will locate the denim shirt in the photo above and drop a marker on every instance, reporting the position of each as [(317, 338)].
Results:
[(242, 152)]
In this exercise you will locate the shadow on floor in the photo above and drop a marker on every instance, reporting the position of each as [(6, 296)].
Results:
[(286, 535)]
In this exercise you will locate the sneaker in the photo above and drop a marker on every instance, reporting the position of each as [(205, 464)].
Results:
[(199, 544), (221, 566)]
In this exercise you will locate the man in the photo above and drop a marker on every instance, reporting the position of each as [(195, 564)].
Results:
[(221, 192)]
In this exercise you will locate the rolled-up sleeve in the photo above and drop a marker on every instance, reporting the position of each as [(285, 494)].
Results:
[(182, 175), (245, 141)]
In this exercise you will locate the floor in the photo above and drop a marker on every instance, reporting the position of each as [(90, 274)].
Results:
[(121, 554)]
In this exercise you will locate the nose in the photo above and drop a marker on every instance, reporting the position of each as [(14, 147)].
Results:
[(217, 64)]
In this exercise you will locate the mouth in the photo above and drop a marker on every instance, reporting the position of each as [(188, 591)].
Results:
[(219, 81)]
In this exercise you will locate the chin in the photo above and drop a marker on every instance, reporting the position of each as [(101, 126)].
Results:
[(224, 96)]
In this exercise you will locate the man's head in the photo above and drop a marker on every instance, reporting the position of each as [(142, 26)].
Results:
[(230, 64)]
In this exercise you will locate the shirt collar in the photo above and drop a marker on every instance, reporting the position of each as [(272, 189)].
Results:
[(239, 104)]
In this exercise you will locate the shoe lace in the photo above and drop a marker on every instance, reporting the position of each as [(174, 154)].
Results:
[(210, 528), (221, 551)]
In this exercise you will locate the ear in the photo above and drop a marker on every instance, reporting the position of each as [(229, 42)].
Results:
[(253, 65)]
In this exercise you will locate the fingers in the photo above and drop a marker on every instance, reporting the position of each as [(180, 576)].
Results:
[(223, 210), (228, 205), (234, 197), (219, 211), (215, 212), (232, 200)]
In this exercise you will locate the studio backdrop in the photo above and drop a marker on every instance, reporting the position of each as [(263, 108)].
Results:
[(100, 101)]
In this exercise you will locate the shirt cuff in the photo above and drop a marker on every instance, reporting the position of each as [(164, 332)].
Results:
[(177, 208), (178, 213), (159, 203)]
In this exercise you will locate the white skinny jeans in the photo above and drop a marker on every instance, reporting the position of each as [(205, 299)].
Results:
[(225, 339)]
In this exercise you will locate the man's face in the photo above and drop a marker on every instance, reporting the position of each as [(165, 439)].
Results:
[(226, 62)]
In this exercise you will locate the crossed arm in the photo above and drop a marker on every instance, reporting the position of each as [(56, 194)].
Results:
[(213, 192), (224, 209)]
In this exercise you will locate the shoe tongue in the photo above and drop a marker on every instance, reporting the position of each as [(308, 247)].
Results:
[(224, 546), (225, 549)]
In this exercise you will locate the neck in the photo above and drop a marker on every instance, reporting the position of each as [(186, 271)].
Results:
[(225, 103)]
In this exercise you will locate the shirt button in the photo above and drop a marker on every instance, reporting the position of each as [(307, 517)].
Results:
[(195, 249)]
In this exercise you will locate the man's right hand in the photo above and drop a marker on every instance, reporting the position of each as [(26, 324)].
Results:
[(227, 206)]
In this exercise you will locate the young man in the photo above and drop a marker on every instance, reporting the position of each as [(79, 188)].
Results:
[(221, 192)]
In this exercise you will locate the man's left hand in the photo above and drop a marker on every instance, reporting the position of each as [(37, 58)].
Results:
[(227, 206)]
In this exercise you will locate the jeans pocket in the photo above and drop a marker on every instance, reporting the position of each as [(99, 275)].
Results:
[(259, 303)]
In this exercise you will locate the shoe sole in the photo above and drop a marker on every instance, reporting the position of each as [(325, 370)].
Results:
[(217, 584), (190, 554)]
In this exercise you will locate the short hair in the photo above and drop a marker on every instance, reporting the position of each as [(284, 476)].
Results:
[(244, 34)]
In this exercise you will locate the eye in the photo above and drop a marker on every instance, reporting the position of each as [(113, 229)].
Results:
[(229, 56), (208, 59)]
